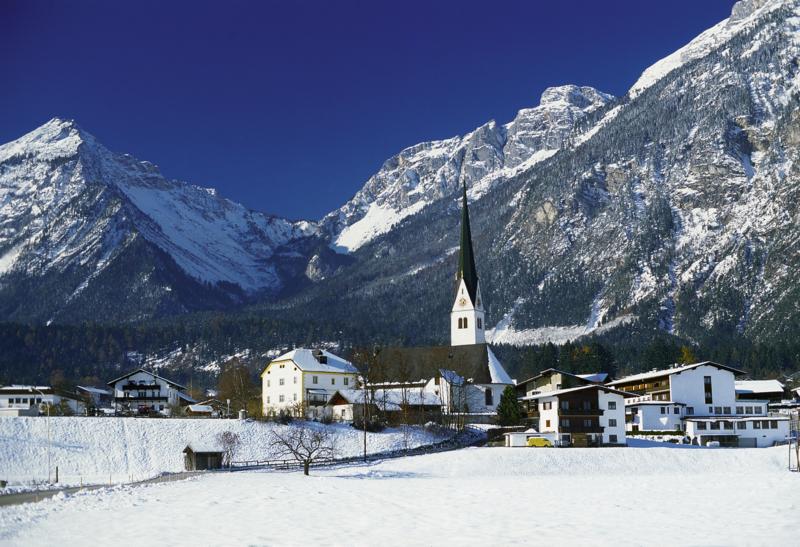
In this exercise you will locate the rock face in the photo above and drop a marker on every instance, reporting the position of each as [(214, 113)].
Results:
[(673, 208), (422, 174)]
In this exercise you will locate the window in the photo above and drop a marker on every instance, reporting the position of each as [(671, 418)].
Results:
[(663, 410), (634, 411), (711, 410), (295, 379), (714, 425), (756, 425), (773, 424), (294, 397), (547, 423), (756, 410), (547, 406), (708, 390), (564, 405), (564, 422), (586, 405), (465, 323), (267, 383), (460, 323), (480, 323), (346, 381), (612, 405), (612, 439), (741, 425), (726, 410), (612, 423), (280, 382), (717, 410), (587, 423), (677, 410), (489, 397), (315, 379), (764, 424), (748, 409), (281, 398), (701, 426), (333, 381), (267, 399), (739, 410)]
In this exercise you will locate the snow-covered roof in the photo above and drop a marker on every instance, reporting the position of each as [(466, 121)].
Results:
[(21, 387), (557, 392), (674, 370), (95, 390), (200, 408), (306, 361), (759, 386), (595, 377), (496, 370), (394, 397), (204, 446), (151, 373)]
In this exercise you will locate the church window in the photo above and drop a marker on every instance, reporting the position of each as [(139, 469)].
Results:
[(465, 323), (480, 323), (489, 397), (460, 323)]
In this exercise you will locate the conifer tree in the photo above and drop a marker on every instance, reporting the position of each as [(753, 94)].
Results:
[(509, 411)]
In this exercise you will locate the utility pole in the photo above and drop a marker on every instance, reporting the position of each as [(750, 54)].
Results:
[(48, 431)]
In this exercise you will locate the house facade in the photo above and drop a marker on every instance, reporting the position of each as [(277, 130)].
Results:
[(142, 391), (590, 415), (700, 401), (25, 400), (553, 379), (770, 390), (301, 382)]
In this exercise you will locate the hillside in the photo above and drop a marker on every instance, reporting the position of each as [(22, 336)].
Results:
[(671, 210)]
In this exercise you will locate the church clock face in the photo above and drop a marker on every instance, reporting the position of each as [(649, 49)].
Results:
[(462, 301)]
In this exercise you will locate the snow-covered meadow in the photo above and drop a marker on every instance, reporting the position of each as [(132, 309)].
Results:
[(103, 450), (475, 496)]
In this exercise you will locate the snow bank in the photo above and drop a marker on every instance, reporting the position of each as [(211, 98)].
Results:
[(99, 450)]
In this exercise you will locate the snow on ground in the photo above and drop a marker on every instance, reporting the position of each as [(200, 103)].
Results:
[(478, 496), (102, 450)]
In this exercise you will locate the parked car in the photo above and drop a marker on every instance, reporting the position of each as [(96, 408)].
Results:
[(540, 442)]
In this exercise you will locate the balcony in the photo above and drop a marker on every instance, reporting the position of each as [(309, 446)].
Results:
[(131, 397), (150, 387), (569, 412)]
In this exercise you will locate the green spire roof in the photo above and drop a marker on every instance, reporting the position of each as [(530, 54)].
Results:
[(466, 257)]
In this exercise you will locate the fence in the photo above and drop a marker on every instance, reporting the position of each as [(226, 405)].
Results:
[(467, 437)]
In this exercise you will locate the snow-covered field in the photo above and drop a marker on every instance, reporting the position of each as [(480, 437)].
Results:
[(103, 450), (477, 496)]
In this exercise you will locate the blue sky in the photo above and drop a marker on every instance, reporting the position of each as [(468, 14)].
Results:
[(288, 107)]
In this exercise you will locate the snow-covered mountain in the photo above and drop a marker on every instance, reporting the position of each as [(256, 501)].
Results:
[(77, 220), (484, 158), (674, 207)]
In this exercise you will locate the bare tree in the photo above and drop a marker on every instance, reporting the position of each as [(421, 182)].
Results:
[(303, 443), (229, 441)]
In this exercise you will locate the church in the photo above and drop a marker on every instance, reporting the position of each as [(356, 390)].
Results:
[(466, 375)]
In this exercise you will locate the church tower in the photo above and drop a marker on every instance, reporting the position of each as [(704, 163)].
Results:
[(466, 318)]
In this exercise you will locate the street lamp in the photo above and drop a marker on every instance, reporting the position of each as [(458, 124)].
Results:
[(48, 431)]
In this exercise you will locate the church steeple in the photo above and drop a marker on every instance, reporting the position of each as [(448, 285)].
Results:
[(466, 317), (466, 257)]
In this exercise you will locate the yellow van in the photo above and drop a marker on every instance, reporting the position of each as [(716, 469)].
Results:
[(540, 442)]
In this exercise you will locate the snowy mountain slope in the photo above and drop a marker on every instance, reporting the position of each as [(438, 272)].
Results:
[(424, 173), (674, 208), (70, 209)]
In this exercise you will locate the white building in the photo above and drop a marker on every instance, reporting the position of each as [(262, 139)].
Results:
[(141, 391), (467, 315), (25, 400), (700, 400), (770, 390), (301, 381), (590, 415)]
